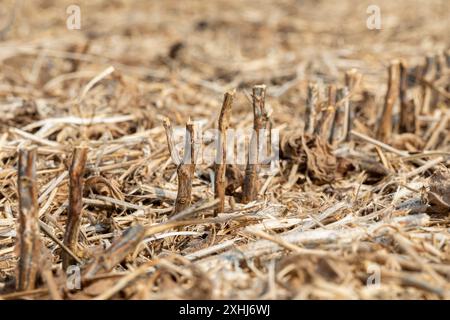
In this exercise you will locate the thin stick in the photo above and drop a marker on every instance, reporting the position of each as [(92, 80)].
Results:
[(251, 181), (385, 125), (347, 117), (380, 144), (324, 125), (46, 229), (340, 94), (352, 80), (329, 125), (170, 141), (220, 165), (118, 251), (311, 102), (125, 280), (428, 165), (29, 238), (407, 112), (428, 74), (76, 172), (194, 209), (440, 130), (186, 166)]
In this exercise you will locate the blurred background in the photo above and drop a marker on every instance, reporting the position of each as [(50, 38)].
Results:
[(211, 46), (230, 40)]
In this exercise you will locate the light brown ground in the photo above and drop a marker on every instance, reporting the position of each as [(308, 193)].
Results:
[(331, 238)]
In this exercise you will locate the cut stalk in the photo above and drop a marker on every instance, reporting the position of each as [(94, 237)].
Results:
[(75, 213), (260, 118), (407, 112), (330, 121), (311, 103), (352, 79), (220, 165), (385, 125), (346, 126), (428, 75), (116, 253), (29, 237), (185, 167)]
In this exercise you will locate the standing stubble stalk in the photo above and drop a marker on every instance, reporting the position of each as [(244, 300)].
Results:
[(75, 213), (311, 103), (330, 122), (407, 122), (260, 119), (185, 166), (29, 243), (428, 74), (221, 156), (385, 125), (352, 78)]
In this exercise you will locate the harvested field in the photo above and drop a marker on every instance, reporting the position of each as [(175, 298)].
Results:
[(100, 198)]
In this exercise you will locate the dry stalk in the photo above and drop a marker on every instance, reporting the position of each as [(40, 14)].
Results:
[(323, 127), (346, 127), (337, 96), (220, 165), (311, 103), (427, 75), (29, 243), (329, 125), (117, 252), (407, 112), (76, 172), (185, 167), (385, 124), (260, 118), (352, 80)]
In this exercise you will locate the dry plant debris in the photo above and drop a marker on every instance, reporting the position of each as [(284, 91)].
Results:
[(97, 203)]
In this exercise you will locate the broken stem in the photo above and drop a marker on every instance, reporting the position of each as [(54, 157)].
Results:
[(347, 116), (407, 112), (29, 237), (76, 172), (260, 118), (117, 252), (185, 167), (427, 75), (385, 125), (220, 165), (311, 102)]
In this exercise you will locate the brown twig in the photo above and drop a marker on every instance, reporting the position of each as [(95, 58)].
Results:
[(76, 172), (385, 124), (46, 229), (324, 126), (260, 117), (311, 103), (427, 76), (220, 165), (352, 81), (333, 96), (329, 125), (29, 238), (439, 133), (185, 167), (346, 127), (407, 112), (117, 252)]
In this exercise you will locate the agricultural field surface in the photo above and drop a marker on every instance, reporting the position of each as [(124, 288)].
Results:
[(290, 149)]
